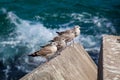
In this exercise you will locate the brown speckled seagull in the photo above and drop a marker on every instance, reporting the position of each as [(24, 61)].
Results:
[(47, 51), (76, 29), (61, 44), (69, 35)]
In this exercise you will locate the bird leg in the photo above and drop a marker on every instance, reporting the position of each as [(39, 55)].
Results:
[(47, 59), (73, 42), (66, 44), (58, 52)]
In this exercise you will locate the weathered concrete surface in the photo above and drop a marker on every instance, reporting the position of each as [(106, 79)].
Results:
[(109, 61), (74, 63)]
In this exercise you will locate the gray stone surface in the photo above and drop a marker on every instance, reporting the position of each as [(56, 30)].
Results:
[(110, 58), (74, 63)]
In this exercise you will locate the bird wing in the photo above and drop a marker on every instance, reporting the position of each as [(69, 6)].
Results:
[(42, 52), (57, 38), (45, 51), (64, 32), (45, 45)]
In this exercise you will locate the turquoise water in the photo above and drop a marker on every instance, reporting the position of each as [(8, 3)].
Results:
[(27, 24)]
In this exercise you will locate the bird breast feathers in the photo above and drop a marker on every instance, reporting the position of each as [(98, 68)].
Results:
[(52, 48), (49, 49), (77, 32)]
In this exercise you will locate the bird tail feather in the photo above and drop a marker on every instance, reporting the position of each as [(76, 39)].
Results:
[(58, 33), (51, 41), (33, 55)]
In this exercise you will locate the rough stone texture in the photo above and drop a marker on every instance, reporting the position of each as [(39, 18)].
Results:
[(110, 58), (74, 63)]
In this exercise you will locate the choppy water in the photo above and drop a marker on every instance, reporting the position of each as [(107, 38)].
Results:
[(27, 24)]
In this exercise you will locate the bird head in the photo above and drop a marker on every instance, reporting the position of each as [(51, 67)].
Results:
[(63, 39), (77, 27), (53, 43)]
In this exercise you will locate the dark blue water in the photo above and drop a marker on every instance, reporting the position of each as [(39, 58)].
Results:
[(27, 24)]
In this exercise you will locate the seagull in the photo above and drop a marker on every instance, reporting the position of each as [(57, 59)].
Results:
[(57, 38), (61, 44), (76, 29), (47, 51), (69, 35)]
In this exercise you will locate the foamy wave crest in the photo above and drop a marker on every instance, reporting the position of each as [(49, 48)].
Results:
[(29, 34), (98, 23)]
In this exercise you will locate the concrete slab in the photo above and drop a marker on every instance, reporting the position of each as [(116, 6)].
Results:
[(74, 63), (109, 62)]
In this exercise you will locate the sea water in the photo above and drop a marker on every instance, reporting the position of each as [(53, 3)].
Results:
[(25, 25)]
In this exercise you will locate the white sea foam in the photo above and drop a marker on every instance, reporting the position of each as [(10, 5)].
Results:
[(101, 24)]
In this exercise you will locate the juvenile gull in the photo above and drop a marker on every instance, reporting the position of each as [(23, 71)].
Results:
[(46, 51), (69, 35), (61, 44), (76, 29), (57, 38)]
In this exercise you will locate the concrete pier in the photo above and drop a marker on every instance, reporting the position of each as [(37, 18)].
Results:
[(109, 61), (74, 63)]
